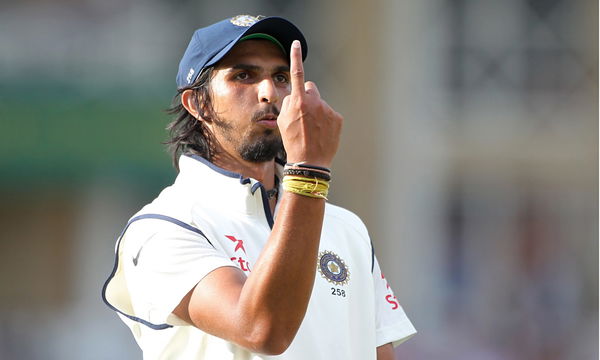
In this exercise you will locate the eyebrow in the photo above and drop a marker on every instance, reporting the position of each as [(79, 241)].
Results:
[(280, 68)]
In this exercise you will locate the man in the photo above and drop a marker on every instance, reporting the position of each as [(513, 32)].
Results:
[(242, 258)]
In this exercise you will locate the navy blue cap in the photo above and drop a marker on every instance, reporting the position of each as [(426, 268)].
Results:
[(209, 44)]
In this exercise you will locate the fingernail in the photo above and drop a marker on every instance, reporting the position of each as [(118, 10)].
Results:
[(296, 44)]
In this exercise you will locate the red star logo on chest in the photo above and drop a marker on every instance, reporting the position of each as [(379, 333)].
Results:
[(239, 243)]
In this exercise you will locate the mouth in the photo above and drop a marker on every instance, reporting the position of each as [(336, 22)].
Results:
[(269, 121)]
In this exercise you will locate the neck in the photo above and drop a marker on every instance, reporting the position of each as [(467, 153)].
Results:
[(263, 171)]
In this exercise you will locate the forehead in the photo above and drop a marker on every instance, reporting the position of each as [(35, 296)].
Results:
[(255, 50)]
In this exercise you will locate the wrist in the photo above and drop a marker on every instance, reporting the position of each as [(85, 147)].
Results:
[(317, 165), (311, 160), (306, 179)]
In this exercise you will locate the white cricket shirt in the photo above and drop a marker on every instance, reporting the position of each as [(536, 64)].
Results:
[(211, 218)]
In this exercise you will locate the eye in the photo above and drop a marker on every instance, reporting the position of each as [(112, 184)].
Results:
[(281, 78), (242, 76)]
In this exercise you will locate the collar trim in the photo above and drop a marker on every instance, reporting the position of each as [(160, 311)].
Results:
[(232, 174), (220, 170)]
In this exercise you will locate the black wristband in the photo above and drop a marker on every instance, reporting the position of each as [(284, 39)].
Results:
[(307, 173), (314, 167)]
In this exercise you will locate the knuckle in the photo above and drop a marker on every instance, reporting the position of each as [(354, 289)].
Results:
[(298, 72), (327, 110)]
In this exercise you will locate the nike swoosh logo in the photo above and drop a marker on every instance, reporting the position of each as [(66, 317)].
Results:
[(137, 256)]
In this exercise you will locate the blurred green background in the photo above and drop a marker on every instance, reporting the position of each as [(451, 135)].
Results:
[(470, 150), (63, 134)]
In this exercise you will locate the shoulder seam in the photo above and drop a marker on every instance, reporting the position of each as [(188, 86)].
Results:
[(168, 219)]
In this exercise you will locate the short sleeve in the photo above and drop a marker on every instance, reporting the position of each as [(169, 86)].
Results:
[(162, 262), (392, 324)]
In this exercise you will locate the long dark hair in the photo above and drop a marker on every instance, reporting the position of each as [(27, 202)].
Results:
[(188, 134)]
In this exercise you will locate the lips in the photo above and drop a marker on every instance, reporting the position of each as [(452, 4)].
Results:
[(269, 120)]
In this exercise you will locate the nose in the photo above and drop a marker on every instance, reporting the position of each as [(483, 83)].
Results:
[(268, 92)]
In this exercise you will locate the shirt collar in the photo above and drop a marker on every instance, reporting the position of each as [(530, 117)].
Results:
[(207, 181)]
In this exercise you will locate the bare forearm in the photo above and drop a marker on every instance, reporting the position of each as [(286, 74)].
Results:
[(385, 352), (276, 294)]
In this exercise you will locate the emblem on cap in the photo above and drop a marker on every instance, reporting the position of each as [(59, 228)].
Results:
[(245, 20), (333, 268)]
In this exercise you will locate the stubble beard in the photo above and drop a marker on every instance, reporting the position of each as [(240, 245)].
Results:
[(251, 146)]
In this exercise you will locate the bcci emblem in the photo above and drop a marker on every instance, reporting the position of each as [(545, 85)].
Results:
[(333, 269), (245, 20)]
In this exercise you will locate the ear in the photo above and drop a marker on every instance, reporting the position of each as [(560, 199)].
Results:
[(187, 100)]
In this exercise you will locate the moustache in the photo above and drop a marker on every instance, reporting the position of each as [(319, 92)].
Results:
[(259, 114)]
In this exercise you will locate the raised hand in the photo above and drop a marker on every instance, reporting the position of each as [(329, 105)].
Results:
[(310, 128)]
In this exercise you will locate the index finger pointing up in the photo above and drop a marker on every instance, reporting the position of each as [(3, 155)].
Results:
[(296, 69)]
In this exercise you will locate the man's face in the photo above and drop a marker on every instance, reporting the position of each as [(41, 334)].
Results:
[(247, 90)]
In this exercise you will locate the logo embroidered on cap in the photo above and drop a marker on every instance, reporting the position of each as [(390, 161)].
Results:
[(245, 20), (333, 268), (189, 75)]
